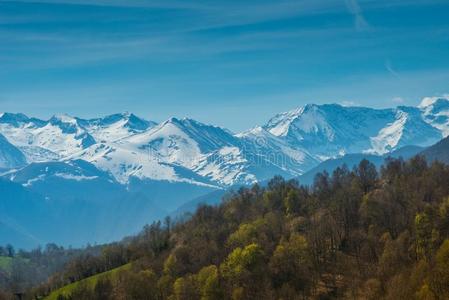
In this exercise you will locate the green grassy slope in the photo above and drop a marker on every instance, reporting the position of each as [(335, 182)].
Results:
[(5, 263), (90, 282)]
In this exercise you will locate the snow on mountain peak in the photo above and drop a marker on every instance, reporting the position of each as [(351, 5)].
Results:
[(135, 123), (330, 129), (185, 150), (430, 101), (310, 118), (63, 118), (436, 112), (13, 119), (179, 146), (208, 137), (280, 123), (41, 140), (116, 126), (66, 123)]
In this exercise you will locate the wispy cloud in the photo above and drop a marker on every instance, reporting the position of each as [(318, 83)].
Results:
[(209, 14), (390, 69), (63, 49), (349, 103), (120, 3), (398, 100), (354, 8)]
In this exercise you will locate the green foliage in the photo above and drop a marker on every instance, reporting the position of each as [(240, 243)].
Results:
[(209, 283), (424, 228), (185, 288), (140, 285), (243, 271), (290, 264), (241, 261), (440, 284), (5, 263), (247, 233)]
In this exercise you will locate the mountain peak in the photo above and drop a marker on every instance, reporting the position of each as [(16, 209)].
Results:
[(434, 101), (306, 116), (64, 119), (13, 118), (436, 112), (66, 123), (184, 122), (173, 120), (136, 123)]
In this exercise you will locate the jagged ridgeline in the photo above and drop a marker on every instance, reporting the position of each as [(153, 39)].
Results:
[(358, 233)]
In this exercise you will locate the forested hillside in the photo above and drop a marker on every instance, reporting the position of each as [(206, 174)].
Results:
[(353, 234)]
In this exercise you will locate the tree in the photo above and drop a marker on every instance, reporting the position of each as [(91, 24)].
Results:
[(185, 288), (244, 271), (366, 174), (103, 289), (209, 283), (292, 203), (247, 233), (443, 217), (10, 252), (114, 255), (140, 285), (321, 186), (291, 265), (440, 278)]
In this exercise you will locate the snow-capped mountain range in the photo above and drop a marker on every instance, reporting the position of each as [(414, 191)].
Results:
[(184, 150), (73, 181)]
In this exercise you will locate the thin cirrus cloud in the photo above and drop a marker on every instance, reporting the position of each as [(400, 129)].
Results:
[(359, 19), (390, 69), (202, 15), (79, 50)]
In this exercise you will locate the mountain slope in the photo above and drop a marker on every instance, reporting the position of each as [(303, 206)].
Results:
[(89, 282), (438, 152), (353, 159), (86, 203), (116, 126), (165, 152), (436, 112), (273, 154), (63, 135), (184, 150), (409, 128), (24, 219), (331, 130), (10, 156), (46, 140)]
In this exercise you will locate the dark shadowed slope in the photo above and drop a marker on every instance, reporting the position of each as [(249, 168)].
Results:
[(439, 151), (351, 160)]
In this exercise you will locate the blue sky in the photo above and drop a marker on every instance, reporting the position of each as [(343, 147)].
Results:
[(231, 63)]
